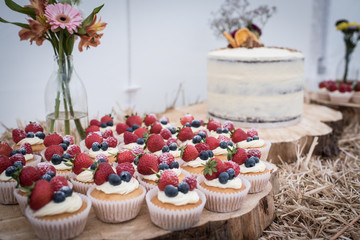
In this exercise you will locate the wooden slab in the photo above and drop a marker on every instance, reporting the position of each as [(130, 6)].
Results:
[(249, 222), (285, 140)]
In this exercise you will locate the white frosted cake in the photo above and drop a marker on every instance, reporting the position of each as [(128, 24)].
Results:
[(256, 85)]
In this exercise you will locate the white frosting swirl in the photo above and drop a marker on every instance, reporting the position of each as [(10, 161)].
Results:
[(130, 146), (123, 188), (5, 178), (108, 152), (252, 144), (33, 141), (112, 128), (28, 156), (259, 167), (175, 153), (195, 163), (85, 176), (153, 177), (201, 128), (61, 166), (180, 199), (187, 142), (220, 151), (216, 135), (70, 205), (234, 183)]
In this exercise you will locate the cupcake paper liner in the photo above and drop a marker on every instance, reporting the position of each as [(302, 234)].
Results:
[(7, 192), (265, 151), (37, 158), (78, 186), (323, 95), (117, 211), (355, 98), (340, 97), (174, 220), (66, 228), (272, 167), (258, 182), (224, 202), (22, 200)]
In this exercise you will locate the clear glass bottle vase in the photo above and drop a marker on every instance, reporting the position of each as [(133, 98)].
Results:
[(66, 100)]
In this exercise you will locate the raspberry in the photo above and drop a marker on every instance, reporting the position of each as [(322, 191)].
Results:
[(137, 150), (170, 141), (253, 153), (229, 125), (73, 150), (125, 166), (107, 133), (101, 156), (58, 182), (165, 133), (111, 141), (95, 122), (223, 138), (191, 181), (168, 177), (202, 147), (166, 158), (252, 132)]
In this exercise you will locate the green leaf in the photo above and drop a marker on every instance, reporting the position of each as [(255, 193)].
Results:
[(69, 44), (17, 8), (88, 20), (23, 25), (51, 2)]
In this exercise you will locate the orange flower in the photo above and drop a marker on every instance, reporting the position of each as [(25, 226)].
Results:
[(92, 38), (34, 34), (94, 27), (38, 6)]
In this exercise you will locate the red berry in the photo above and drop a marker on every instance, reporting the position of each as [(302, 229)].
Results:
[(125, 156), (18, 157), (95, 122), (45, 167), (238, 135), (332, 88), (53, 149), (137, 150), (165, 133), (5, 162), (58, 182), (40, 195), (168, 177), (156, 128), (223, 138), (140, 132), (187, 118), (91, 138), (28, 175), (202, 147), (53, 139), (107, 133), (191, 181), (81, 161), (210, 171), (18, 135), (106, 119), (189, 153), (130, 137), (73, 150), (252, 132), (27, 147), (34, 127), (155, 143), (69, 138), (253, 152), (133, 119), (125, 166), (111, 141), (213, 125), (5, 149), (185, 134), (166, 158), (229, 125), (170, 141), (102, 173), (101, 156), (92, 129), (150, 119), (220, 167), (234, 166), (212, 142), (239, 156), (121, 128), (148, 163)]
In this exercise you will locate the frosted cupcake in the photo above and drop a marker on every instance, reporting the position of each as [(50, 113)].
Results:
[(256, 172), (33, 134), (7, 183), (356, 96), (193, 163), (82, 179), (107, 147), (56, 157), (340, 94), (175, 206)]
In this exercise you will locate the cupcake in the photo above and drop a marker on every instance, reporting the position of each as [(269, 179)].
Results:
[(224, 189), (193, 163), (356, 96), (175, 206), (185, 136), (108, 147), (256, 172), (340, 94), (132, 140), (7, 183), (117, 197), (219, 146), (33, 134), (26, 150), (55, 156), (323, 93), (58, 214)]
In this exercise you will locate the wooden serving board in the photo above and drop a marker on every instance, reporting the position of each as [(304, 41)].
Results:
[(249, 222)]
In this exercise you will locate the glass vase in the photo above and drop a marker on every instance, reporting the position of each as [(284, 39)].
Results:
[(347, 70), (66, 100)]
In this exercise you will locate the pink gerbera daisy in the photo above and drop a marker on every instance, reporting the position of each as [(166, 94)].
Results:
[(63, 16)]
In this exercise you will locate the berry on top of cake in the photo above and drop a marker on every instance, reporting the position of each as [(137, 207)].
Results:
[(33, 134)]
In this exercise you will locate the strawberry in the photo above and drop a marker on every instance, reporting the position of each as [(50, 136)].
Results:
[(168, 177), (170, 141), (155, 143), (202, 147), (212, 142), (150, 119), (137, 150), (81, 161), (349, 88), (5, 149), (229, 125), (73, 150), (165, 133), (28, 175), (111, 141), (27, 147), (185, 134), (166, 158), (128, 167), (95, 122), (210, 171), (102, 173), (189, 153), (148, 163), (5, 162), (45, 167), (156, 128), (323, 84), (187, 118), (332, 88), (53, 139), (69, 138), (125, 156), (18, 135), (342, 87), (140, 132), (130, 137), (133, 119), (223, 138), (220, 167), (252, 132), (91, 138), (121, 128), (106, 118), (34, 128), (107, 133), (101, 156), (238, 135), (18, 157), (40, 195), (234, 166), (53, 149), (92, 129), (253, 153), (58, 182), (213, 124), (238, 155), (191, 181)]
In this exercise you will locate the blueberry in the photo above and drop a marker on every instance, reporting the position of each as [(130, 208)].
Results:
[(56, 159), (187, 124), (66, 157), (249, 139), (211, 154), (13, 152), (172, 130), (110, 123), (51, 173), (173, 146), (40, 135), (174, 164), (256, 159), (163, 166), (230, 144), (195, 123), (202, 135), (103, 125), (67, 190), (196, 139), (114, 179), (231, 173), (223, 145), (140, 141), (223, 177), (125, 176), (46, 177), (92, 167), (204, 155), (256, 138), (22, 151), (171, 191), (225, 130), (104, 146), (183, 187), (164, 122), (67, 142), (18, 164), (136, 161), (129, 129), (59, 197), (135, 126), (95, 146), (10, 170), (250, 162), (101, 160), (165, 148), (64, 146), (219, 130)]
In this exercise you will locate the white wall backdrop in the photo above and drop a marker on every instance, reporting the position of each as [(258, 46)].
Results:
[(169, 43)]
